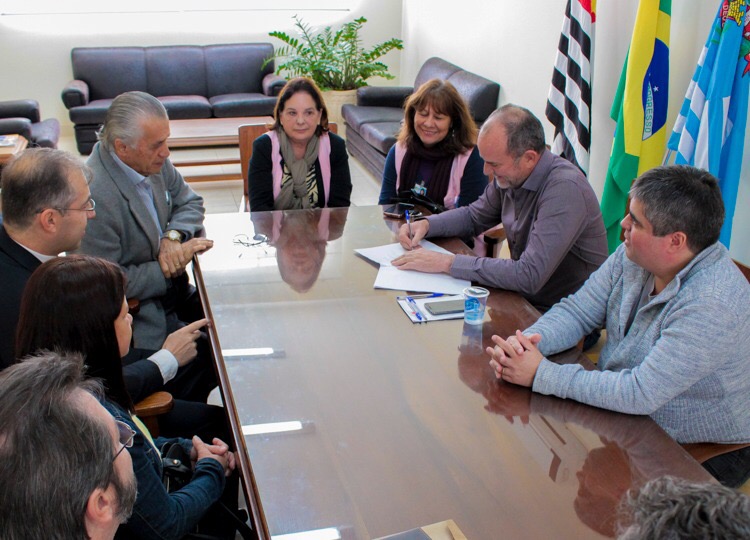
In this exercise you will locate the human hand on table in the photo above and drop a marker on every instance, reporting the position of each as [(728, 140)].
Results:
[(174, 256), (418, 231), (425, 260), (517, 358)]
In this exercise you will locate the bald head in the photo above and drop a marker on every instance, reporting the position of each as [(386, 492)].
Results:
[(511, 144), (523, 130)]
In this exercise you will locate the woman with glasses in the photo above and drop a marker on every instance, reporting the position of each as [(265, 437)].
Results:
[(77, 304), (299, 163), (435, 154)]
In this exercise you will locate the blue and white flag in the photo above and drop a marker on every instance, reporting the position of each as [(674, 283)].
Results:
[(710, 131)]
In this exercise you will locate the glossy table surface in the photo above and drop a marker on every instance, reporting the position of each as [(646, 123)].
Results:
[(400, 424)]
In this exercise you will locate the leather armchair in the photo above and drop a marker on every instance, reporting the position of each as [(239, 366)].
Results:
[(22, 116)]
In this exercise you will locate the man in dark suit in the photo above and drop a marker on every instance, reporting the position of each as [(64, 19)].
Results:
[(46, 206)]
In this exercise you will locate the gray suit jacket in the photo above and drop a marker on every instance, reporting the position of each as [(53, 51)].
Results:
[(124, 232)]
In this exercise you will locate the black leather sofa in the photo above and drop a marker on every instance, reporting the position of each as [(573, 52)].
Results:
[(22, 116), (220, 81), (372, 124)]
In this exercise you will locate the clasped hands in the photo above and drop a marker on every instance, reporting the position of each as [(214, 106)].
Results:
[(517, 358), (174, 256), (218, 450)]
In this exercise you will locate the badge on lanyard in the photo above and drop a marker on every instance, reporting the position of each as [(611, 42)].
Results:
[(419, 189)]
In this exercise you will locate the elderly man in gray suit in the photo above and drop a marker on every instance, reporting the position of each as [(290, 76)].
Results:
[(148, 222)]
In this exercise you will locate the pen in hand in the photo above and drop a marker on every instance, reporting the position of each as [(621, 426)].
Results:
[(408, 224)]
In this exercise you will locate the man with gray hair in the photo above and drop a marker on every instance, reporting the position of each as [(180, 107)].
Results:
[(65, 475), (149, 222), (670, 508), (675, 308), (46, 206), (550, 214)]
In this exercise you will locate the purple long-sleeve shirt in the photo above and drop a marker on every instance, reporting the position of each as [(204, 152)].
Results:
[(554, 230)]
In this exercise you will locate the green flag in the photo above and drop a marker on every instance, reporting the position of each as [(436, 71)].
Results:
[(640, 110)]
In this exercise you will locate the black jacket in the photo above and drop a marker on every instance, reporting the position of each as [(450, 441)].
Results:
[(142, 377)]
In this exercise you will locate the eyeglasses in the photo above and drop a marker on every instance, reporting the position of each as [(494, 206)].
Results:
[(89, 207), (126, 434), (244, 240), (259, 240)]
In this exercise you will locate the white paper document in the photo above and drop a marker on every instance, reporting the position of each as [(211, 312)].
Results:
[(390, 277)]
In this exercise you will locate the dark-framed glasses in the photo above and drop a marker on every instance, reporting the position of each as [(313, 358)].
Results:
[(126, 434), (90, 206), (244, 240)]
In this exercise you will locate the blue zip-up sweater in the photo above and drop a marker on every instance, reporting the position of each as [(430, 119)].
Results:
[(685, 360)]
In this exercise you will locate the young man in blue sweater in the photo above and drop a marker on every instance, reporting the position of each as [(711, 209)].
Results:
[(675, 308)]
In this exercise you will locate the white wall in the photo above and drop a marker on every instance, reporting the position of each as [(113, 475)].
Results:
[(36, 48), (514, 43), (508, 41)]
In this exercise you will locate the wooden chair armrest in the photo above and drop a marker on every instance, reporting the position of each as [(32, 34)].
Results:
[(497, 233), (493, 239), (154, 405), (702, 452), (134, 306), (744, 269)]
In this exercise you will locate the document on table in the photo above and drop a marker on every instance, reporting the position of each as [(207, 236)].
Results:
[(390, 277)]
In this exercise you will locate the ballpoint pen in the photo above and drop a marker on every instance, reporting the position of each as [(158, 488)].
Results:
[(417, 312), (408, 224)]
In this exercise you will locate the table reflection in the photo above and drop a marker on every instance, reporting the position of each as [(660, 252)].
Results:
[(391, 438), (300, 238), (612, 454)]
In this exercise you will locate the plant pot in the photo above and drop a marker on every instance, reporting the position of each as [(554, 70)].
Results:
[(335, 99)]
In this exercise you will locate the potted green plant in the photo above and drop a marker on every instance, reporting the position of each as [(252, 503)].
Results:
[(334, 59)]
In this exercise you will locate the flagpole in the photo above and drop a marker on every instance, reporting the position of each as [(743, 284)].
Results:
[(667, 157)]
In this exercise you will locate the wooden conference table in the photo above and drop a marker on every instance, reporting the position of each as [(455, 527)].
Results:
[(391, 425)]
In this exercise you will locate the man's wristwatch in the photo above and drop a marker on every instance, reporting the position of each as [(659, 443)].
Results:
[(173, 235)]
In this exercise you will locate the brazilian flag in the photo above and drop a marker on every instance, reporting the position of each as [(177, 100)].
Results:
[(640, 110)]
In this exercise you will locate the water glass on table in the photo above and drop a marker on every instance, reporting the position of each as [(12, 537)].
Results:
[(475, 299)]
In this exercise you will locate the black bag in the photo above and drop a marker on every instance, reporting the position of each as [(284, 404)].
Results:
[(176, 467), (177, 473), (410, 197)]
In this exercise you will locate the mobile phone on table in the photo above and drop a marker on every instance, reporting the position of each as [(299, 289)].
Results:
[(446, 307), (398, 210)]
